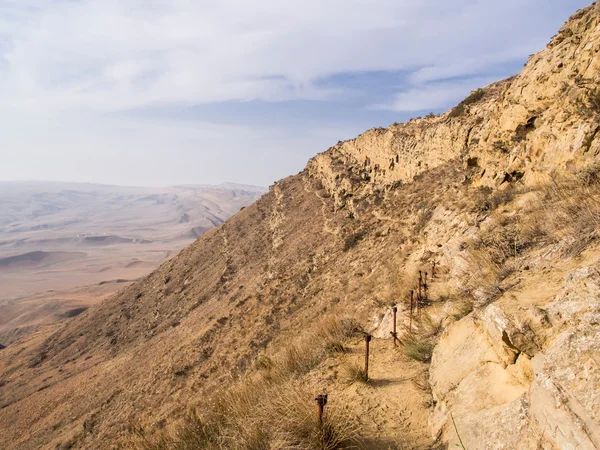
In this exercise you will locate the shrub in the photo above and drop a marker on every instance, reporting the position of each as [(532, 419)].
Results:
[(486, 199), (474, 97), (590, 175), (457, 111), (500, 146), (589, 103)]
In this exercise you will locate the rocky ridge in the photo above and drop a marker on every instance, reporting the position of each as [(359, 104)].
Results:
[(482, 190)]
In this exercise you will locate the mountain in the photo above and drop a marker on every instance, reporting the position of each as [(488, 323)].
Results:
[(66, 246), (496, 199)]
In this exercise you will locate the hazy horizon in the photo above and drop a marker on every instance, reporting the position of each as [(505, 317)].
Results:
[(82, 183), (133, 93)]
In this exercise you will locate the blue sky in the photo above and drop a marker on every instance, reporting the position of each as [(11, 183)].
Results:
[(157, 92)]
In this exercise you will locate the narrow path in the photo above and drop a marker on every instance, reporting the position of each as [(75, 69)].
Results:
[(393, 412)]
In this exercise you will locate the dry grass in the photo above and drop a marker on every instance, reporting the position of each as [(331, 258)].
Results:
[(486, 200), (397, 284), (565, 215), (572, 218), (270, 409), (461, 308), (429, 326), (259, 415), (474, 97), (418, 348), (303, 355), (354, 373), (483, 275)]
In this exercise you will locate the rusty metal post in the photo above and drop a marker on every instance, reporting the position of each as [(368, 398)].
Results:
[(411, 312), (321, 402), (419, 297), (394, 334), (367, 340)]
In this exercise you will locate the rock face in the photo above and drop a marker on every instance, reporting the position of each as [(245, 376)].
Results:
[(520, 371), (515, 129), (536, 369)]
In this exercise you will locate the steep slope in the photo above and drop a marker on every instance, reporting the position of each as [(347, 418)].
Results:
[(467, 189)]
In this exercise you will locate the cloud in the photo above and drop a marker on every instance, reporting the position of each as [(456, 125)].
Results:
[(434, 96), (129, 53), (81, 63)]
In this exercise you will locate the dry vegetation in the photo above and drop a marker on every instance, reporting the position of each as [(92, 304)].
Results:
[(418, 348), (461, 108), (261, 413), (269, 401), (564, 214), (355, 373), (271, 408), (275, 408)]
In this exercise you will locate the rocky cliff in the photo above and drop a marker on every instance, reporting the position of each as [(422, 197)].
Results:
[(501, 193)]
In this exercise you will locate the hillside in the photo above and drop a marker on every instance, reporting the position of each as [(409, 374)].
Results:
[(260, 314)]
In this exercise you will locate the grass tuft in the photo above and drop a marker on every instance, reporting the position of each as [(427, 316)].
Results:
[(417, 348), (355, 373), (462, 308)]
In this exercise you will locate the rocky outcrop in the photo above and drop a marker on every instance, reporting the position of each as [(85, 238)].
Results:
[(523, 377), (544, 118)]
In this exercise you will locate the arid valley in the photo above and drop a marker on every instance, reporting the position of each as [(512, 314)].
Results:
[(66, 246)]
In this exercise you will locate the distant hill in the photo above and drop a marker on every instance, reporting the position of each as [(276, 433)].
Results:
[(63, 244), (37, 259)]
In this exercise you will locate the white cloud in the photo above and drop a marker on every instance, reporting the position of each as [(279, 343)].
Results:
[(65, 65), (433, 96), (114, 54)]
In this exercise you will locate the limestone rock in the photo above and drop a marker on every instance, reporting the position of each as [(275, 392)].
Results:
[(483, 375)]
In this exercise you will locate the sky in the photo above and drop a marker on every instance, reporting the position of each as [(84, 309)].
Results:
[(167, 92)]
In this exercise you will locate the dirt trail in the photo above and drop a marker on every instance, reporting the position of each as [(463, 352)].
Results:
[(392, 410), (395, 403)]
